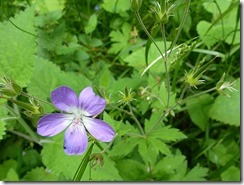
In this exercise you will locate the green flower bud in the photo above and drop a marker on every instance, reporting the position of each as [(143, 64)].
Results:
[(9, 87), (135, 5)]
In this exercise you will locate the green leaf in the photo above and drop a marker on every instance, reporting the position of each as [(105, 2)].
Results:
[(137, 58), (167, 134), (120, 39), (40, 174), (8, 170), (198, 109), (231, 174), (131, 170), (227, 109), (55, 159), (197, 173), (47, 77), (17, 47), (211, 6), (170, 168), (106, 172), (128, 146), (220, 32), (116, 6), (92, 23)]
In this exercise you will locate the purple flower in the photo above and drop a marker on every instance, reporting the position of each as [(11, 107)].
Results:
[(78, 116)]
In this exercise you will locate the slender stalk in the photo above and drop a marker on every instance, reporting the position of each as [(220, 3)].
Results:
[(109, 145), (24, 125), (25, 136), (181, 25), (165, 61), (130, 113), (82, 167), (136, 120)]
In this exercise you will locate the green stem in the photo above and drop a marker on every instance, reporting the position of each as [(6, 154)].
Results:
[(25, 125), (82, 167), (165, 60), (165, 63), (181, 26), (136, 120)]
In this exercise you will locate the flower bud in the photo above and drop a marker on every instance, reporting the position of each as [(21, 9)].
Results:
[(135, 4), (9, 87)]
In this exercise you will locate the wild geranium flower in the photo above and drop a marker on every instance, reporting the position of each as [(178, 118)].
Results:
[(77, 117)]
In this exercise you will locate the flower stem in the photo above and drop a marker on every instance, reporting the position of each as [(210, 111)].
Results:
[(163, 56), (181, 26), (82, 167), (24, 125), (136, 120)]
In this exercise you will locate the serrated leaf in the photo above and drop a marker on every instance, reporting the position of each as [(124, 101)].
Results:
[(92, 23), (17, 47), (120, 38), (47, 77), (198, 109), (147, 152), (40, 174), (197, 173), (167, 134), (227, 109)]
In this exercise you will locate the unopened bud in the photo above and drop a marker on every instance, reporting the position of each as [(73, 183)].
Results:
[(135, 4), (9, 87)]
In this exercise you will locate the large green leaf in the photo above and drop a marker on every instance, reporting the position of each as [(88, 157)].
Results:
[(17, 47), (198, 109), (47, 77), (227, 109)]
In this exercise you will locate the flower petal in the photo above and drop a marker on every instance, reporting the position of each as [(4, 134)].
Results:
[(64, 98), (52, 124), (99, 129), (91, 103), (75, 140)]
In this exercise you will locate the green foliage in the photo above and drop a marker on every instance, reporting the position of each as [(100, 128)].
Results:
[(231, 174), (120, 38), (18, 47), (164, 129), (116, 6), (3, 115), (60, 164), (40, 174), (8, 170), (91, 25), (198, 109), (223, 29), (51, 78), (227, 109)]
